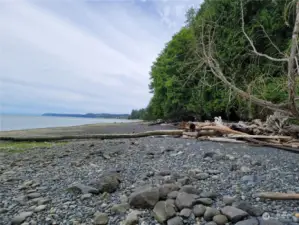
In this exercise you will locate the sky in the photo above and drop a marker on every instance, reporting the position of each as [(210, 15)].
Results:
[(81, 56)]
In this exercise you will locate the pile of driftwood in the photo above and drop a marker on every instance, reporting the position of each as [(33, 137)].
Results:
[(274, 132)]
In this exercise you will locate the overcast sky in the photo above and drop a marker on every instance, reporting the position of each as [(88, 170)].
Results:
[(79, 56)]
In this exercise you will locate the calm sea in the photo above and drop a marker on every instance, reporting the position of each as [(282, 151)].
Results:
[(14, 122)]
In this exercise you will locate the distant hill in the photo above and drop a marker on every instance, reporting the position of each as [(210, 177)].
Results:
[(90, 115)]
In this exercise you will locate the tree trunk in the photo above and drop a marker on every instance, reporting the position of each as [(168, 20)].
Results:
[(292, 65)]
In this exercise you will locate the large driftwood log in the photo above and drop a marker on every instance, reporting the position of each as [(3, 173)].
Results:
[(222, 129), (220, 139), (278, 196), (92, 136)]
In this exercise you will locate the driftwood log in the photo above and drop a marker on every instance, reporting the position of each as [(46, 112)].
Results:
[(92, 136), (278, 196)]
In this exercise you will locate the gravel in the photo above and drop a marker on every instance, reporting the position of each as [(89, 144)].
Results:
[(92, 182)]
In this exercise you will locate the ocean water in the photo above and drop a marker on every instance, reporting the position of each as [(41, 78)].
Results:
[(16, 122)]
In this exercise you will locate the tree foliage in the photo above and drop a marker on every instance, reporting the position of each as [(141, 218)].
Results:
[(184, 87)]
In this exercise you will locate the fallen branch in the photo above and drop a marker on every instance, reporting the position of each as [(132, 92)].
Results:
[(278, 196), (93, 136), (272, 145), (260, 137)]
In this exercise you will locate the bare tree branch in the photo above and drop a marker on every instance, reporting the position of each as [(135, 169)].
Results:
[(274, 45), (252, 45)]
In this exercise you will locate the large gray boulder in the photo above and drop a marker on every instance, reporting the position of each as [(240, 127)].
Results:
[(185, 200), (210, 213), (165, 189), (234, 214), (144, 198), (249, 208), (163, 211), (175, 221), (108, 182), (199, 210)]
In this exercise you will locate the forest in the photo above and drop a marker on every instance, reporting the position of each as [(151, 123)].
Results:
[(235, 59)]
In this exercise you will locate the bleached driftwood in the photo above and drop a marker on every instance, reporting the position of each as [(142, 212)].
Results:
[(278, 196), (93, 136), (260, 137)]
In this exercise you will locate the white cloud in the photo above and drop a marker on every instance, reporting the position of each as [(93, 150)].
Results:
[(81, 55)]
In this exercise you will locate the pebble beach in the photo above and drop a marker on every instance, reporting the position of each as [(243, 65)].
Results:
[(148, 181)]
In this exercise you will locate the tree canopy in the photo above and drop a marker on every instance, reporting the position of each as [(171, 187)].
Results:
[(185, 87)]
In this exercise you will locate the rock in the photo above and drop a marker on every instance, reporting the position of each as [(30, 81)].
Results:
[(245, 169), (33, 195), (40, 208), (218, 157), (214, 172), (43, 201), (211, 223), (144, 198), (205, 201), (210, 213), (101, 218), (220, 219), (132, 218), (86, 196), (185, 200), (123, 199), (249, 179), (165, 189), (256, 163), (184, 180), (233, 214), (209, 154), (230, 157), (234, 167), (150, 174), (120, 208), (173, 194), (78, 188), (199, 210), (208, 194), (175, 221), (259, 221), (250, 209), (189, 189), (202, 176), (185, 212), (21, 218), (252, 221), (108, 182), (163, 210), (192, 172), (164, 173), (3, 210), (228, 200)]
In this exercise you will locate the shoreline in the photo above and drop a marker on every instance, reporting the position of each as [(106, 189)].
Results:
[(87, 129)]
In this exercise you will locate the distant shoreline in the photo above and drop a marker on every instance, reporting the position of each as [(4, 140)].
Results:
[(15, 123), (89, 115)]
